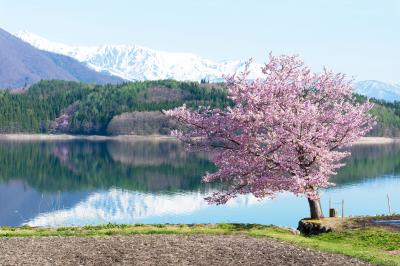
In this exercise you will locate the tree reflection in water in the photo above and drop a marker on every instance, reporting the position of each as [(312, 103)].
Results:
[(91, 182), (81, 165)]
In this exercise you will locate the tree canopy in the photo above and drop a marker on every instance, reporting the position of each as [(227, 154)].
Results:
[(283, 133)]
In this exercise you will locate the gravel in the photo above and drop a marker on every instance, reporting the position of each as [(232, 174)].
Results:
[(161, 250)]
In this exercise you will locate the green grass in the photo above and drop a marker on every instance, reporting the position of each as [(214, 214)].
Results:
[(370, 244)]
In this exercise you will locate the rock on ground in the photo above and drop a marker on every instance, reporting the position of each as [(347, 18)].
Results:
[(161, 250)]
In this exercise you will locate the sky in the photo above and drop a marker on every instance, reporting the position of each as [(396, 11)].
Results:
[(360, 38)]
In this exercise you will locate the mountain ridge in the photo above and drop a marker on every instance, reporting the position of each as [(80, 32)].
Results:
[(134, 62), (138, 63), (22, 64), (378, 90)]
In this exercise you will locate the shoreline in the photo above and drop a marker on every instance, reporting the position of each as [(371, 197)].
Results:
[(67, 137), (376, 140)]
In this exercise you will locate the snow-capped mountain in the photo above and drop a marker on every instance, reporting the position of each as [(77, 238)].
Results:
[(378, 90), (134, 62), (22, 64)]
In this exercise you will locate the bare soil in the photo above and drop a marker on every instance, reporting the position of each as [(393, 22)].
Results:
[(161, 250)]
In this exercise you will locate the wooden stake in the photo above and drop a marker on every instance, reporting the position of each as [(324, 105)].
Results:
[(342, 208)]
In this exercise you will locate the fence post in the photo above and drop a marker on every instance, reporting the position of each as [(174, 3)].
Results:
[(388, 202), (342, 209)]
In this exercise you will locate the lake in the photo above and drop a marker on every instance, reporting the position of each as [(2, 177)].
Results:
[(65, 183)]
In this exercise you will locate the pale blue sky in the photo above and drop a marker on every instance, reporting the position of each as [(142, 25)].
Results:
[(360, 38)]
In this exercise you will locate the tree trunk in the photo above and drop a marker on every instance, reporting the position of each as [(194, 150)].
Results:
[(315, 209)]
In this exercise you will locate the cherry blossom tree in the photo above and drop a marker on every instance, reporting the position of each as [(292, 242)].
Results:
[(284, 132)]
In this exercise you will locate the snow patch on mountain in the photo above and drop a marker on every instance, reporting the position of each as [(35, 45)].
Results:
[(378, 90), (133, 62)]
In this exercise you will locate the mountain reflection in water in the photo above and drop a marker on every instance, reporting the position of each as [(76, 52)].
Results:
[(84, 182)]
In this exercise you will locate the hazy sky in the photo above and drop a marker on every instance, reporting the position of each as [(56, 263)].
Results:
[(360, 38)]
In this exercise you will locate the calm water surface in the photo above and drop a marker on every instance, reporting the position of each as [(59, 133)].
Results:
[(83, 182)]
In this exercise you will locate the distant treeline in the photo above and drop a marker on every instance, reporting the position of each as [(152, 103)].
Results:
[(95, 105), (78, 108), (388, 117)]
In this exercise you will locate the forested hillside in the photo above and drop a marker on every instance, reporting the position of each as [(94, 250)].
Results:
[(388, 117), (128, 108), (71, 107)]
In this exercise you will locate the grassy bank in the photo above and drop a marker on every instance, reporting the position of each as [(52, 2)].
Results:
[(377, 245)]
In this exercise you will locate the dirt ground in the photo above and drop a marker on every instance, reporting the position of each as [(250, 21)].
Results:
[(160, 250)]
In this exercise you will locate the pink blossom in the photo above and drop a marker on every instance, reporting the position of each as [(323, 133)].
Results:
[(285, 132)]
